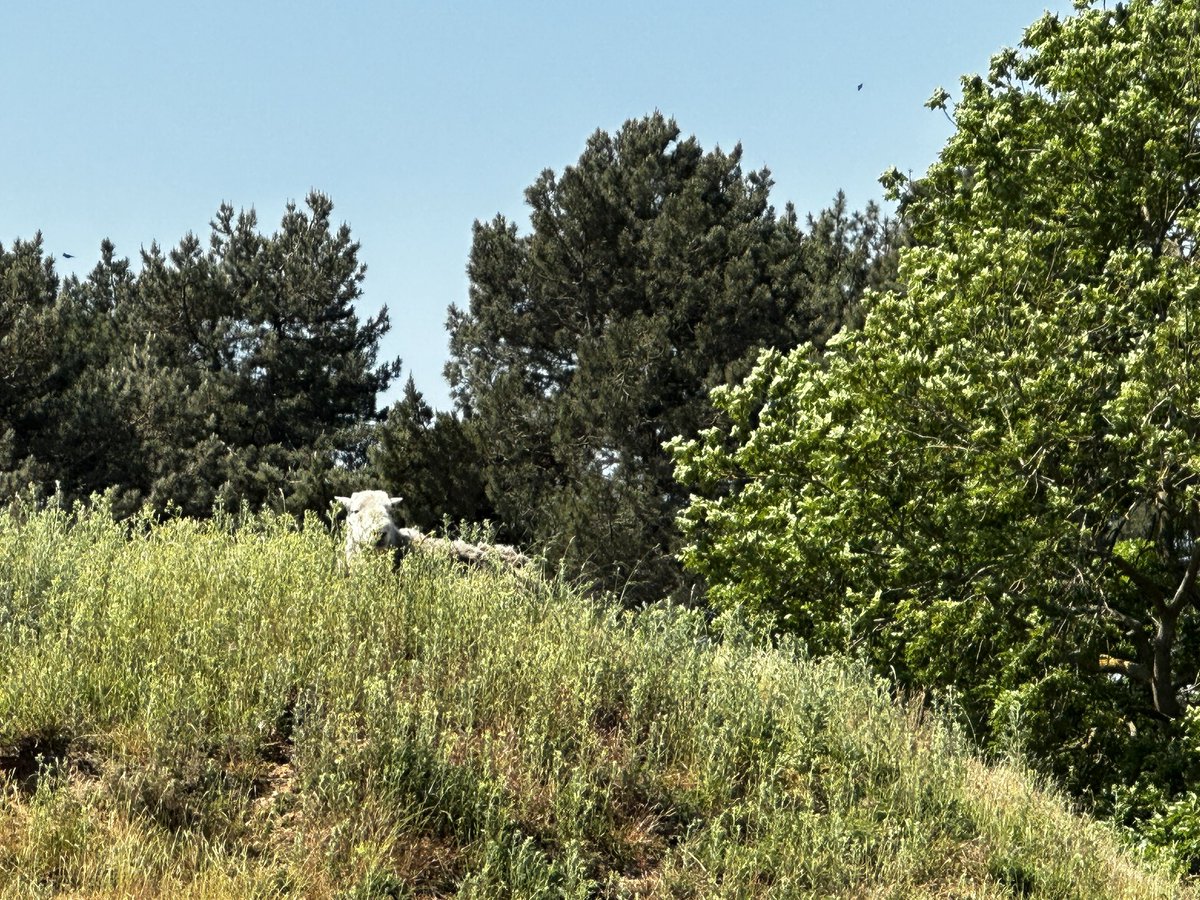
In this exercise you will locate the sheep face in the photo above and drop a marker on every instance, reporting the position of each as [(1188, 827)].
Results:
[(369, 524)]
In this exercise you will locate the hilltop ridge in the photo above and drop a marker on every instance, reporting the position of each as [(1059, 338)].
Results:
[(214, 709)]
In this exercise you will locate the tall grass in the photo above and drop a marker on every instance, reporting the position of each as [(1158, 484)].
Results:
[(217, 710)]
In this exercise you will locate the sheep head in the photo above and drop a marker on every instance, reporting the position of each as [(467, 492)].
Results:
[(369, 524)]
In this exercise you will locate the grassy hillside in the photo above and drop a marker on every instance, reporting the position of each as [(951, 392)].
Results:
[(205, 711)]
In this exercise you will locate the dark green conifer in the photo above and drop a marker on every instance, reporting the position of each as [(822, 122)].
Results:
[(653, 272), (237, 374), (431, 461)]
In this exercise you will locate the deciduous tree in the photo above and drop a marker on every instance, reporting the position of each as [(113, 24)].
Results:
[(995, 484)]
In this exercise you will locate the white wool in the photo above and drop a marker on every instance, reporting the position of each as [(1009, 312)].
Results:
[(369, 524)]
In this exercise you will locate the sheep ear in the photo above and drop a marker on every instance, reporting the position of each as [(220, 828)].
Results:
[(395, 501), (345, 501)]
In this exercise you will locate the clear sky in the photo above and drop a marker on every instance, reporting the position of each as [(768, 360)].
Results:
[(135, 120)]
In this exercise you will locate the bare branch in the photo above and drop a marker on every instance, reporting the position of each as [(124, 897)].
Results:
[(1183, 592), (1144, 582), (1131, 624)]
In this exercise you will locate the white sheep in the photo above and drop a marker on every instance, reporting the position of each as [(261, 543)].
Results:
[(369, 526)]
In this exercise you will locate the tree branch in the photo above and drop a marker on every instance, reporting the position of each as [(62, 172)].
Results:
[(1131, 624), (1182, 593), (1142, 581)]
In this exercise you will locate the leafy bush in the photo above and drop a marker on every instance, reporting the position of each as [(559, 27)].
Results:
[(994, 484)]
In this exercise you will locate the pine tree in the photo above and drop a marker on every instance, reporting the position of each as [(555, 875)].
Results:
[(252, 370), (235, 374), (653, 272), (31, 368), (93, 442), (431, 461)]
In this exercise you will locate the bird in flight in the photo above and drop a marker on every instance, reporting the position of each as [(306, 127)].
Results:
[(68, 256), (860, 84)]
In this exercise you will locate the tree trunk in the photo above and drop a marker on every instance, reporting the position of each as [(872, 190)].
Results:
[(1162, 676)]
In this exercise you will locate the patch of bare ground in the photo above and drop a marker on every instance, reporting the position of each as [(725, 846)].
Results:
[(24, 763)]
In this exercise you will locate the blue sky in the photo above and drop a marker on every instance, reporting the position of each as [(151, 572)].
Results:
[(134, 121)]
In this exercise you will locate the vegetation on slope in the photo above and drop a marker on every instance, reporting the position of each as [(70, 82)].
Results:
[(994, 485), (215, 709)]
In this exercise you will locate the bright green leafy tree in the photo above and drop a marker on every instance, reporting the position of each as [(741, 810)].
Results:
[(995, 484)]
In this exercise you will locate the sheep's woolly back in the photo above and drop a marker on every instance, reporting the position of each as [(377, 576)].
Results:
[(487, 554), (369, 526), (462, 551)]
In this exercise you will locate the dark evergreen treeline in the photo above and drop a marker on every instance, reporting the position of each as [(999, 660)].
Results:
[(652, 272), (237, 371)]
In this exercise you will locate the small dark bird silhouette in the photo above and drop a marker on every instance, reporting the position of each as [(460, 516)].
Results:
[(860, 84), (68, 256)]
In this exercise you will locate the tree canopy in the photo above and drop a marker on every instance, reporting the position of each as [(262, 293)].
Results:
[(237, 373), (653, 272), (995, 483), (430, 459)]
